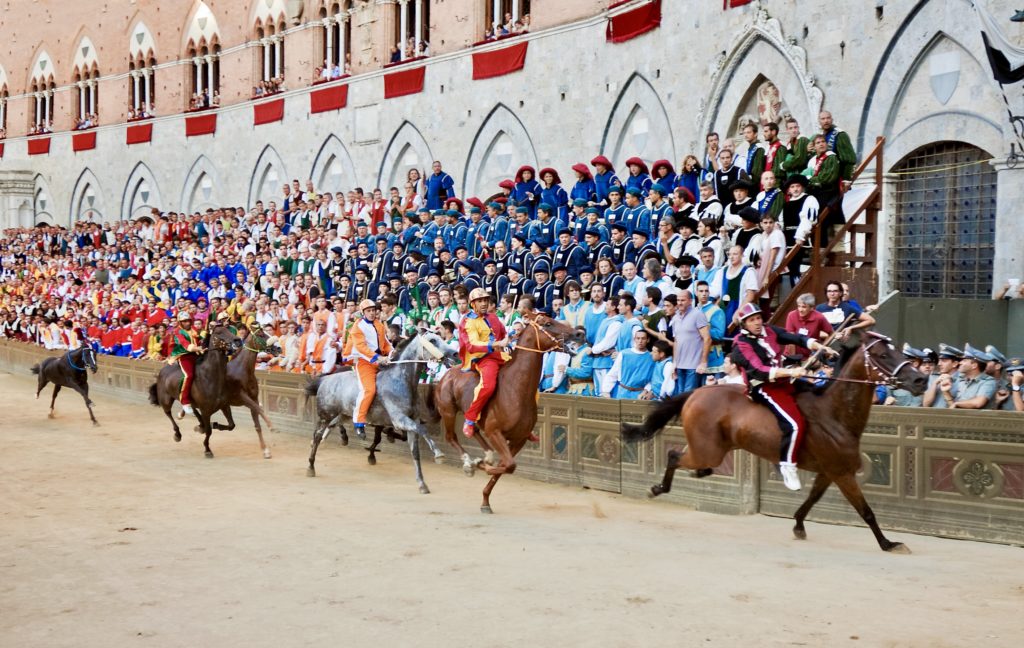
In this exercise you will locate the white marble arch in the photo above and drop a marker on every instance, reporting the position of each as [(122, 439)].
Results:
[(268, 176), (501, 145), (142, 45), (141, 193), (202, 27), (406, 150), (897, 103), (43, 206), (760, 50), (201, 189), (333, 169), (87, 202), (638, 126)]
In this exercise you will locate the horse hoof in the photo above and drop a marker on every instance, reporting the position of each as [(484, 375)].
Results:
[(424, 490), (486, 509), (51, 415), (208, 454), (198, 429), (344, 440), (469, 469), (371, 460), (95, 423), (439, 458), (177, 437), (799, 534), (490, 457), (655, 491), (266, 454), (310, 472), (899, 548)]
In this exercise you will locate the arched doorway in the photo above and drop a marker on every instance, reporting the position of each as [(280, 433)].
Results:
[(944, 222)]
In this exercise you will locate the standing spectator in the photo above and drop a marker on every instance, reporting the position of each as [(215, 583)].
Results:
[(837, 311), (692, 342), (440, 187), (630, 375), (805, 320)]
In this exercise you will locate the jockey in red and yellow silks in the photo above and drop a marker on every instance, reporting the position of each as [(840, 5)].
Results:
[(482, 344), (185, 350), (369, 351)]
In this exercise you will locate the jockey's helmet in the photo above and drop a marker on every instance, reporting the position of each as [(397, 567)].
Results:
[(478, 293), (367, 303), (747, 310), (184, 316)]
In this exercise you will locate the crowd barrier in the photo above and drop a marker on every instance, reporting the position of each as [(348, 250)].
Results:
[(938, 472)]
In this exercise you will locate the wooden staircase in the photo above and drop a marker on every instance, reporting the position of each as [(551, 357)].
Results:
[(855, 266)]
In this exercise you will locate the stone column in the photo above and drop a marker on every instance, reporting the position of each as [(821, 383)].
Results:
[(1009, 248), (342, 18), (147, 88), (198, 62), (92, 96), (266, 58), (39, 108), (403, 30), (81, 99), (135, 89), (515, 10), (47, 100), (419, 27), (278, 55), (329, 34), (209, 75), (497, 16)]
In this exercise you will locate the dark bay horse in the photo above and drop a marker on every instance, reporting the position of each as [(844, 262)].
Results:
[(241, 388), (508, 420), (719, 419), (207, 386), (68, 370)]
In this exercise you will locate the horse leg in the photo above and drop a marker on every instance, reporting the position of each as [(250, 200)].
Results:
[(256, 411), (438, 452), (318, 435), (414, 450), (676, 460), (41, 383), (53, 401), (204, 422), (821, 484), (378, 433), (851, 490), (226, 410), (84, 391), (485, 507)]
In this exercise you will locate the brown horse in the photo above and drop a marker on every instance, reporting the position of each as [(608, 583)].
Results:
[(719, 419), (507, 422), (207, 387), (241, 388)]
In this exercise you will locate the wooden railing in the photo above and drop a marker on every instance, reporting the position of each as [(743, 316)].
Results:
[(863, 221)]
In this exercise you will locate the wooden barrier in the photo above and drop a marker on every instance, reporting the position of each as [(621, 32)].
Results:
[(939, 472)]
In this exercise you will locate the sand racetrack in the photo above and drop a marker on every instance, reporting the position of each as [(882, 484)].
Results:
[(117, 536)]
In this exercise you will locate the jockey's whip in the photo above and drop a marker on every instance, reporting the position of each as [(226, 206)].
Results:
[(829, 340)]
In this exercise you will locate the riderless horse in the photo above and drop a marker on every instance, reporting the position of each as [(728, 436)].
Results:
[(68, 370), (207, 388), (509, 418), (241, 389), (396, 404), (719, 419)]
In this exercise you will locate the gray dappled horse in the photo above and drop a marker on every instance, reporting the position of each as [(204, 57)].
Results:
[(397, 403), (68, 370)]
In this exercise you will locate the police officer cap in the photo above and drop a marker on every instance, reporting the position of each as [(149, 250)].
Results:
[(929, 355), (620, 227), (750, 214), (1014, 364), (911, 352), (996, 354), (579, 202), (592, 210), (564, 230), (947, 351), (976, 354)]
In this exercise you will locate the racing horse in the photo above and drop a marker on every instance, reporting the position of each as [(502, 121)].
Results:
[(241, 389), (509, 418), (207, 386), (719, 419), (396, 403), (68, 370)]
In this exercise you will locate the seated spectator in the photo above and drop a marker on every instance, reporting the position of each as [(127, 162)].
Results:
[(976, 388)]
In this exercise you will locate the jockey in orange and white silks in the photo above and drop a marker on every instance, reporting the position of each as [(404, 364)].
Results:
[(369, 352), (757, 351), (482, 344)]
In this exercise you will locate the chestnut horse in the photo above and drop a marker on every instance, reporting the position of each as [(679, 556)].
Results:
[(719, 419), (508, 420)]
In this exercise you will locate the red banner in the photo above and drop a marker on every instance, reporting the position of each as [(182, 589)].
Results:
[(500, 61), (1, 149), (267, 112), (630, 24), (201, 125), (139, 134), (333, 98), (404, 82), (39, 146), (729, 4), (83, 141)]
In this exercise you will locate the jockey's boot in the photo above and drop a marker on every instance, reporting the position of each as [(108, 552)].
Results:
[(186, 410), (789, 475), (469, 429), (360, 430)]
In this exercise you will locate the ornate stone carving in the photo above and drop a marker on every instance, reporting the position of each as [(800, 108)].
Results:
[(978, 478)]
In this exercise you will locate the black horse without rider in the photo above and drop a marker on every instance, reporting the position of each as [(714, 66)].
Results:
[(68, 370)]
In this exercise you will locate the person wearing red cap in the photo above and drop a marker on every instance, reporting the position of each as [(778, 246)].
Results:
[(757, 351), (604, 179), (585, 188), (639, 177), (554, 195), (663, 172), (527, 190), (507, 187)]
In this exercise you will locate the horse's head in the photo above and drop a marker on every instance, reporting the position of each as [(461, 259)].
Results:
[(889, 364), (222, 339), (432, 347), (88, 357), (553, 335)]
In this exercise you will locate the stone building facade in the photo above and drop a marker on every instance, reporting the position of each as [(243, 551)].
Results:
[(912, 71)]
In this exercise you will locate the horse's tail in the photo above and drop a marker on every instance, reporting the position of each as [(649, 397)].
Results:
[(35, 369), (659, 417), (312, 387), (153, 399)]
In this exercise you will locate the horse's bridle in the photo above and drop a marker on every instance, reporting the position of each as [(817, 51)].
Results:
[(889, 377), (560, 343), (221, 345), (86, 350), (260, 338)]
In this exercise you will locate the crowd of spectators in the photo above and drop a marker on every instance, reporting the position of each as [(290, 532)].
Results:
[(44, 127), (332, 71), (651, 266), (508, 27), (204, 100), (143, 112), (91, 120), (267, 88)]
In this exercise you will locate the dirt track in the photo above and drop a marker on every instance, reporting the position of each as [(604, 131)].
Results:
[(117, 536)]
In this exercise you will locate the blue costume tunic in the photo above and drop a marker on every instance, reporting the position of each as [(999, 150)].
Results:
[(583, 190), (605, 361), (636, 370), (603, 182), (437, 182)]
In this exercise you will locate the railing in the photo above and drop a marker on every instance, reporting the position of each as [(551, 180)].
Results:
[(950, 473), (811, 280)]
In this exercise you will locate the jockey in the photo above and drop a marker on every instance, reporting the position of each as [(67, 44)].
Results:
[(482, 344), (757, 351), (369, 352), (185, 350)]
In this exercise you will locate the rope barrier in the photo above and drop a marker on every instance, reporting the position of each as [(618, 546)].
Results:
[(930, 170)]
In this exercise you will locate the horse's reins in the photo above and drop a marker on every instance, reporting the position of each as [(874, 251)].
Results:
[(72, 364), (890, 377), (539, 329)]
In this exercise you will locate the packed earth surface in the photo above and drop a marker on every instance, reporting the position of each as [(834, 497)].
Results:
[(117, 536)]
